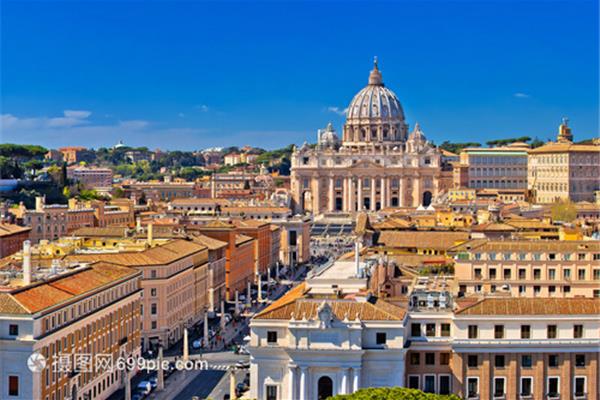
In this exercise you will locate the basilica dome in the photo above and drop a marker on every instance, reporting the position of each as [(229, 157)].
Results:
[(375, 114)]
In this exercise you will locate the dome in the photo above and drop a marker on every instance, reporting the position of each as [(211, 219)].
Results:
[(374, 116), (375, 101), (327, 137)]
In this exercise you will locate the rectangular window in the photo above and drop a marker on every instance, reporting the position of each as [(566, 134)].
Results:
[(499, 386), (429, 383), (552, 274), (153, 292), (567, 274), (507, 274), (430, 329), (579, 386), (553, 386), (153, 308), (522, 273), (525, 332), (444, 358), (553, 361), (415, 358), (526, 386), (444, 384), (472, 361), (552, 332), (581, 274), (526, 361), (413, 382), (271, 336), (13, 385), (577, 331), (13, 330), (492, 273), (472, 388), (499, 361), (498, 331), (580, 360), (445, 329), (472, 331), (381, 337), (429, 358), (271, 391), (537, 273), (597, 275), (415, 329)]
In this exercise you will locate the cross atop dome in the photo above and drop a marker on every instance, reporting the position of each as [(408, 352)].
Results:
[(375, 75)]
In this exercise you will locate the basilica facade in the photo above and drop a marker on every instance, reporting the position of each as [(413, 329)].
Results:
[(377, 163)]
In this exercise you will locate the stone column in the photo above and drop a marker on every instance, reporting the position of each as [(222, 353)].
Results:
[(344, 382), (186, 347), (401, 189), (388, 191), (351, 195), (237, 302), (345, 195), (249, 294), (316, 196), (383, 192), (232, 384), (259, 294), (206, 338), (160, 372), (373, 194), (303, 371), (331, 193), (417, 201), (355, 379), (211, 299), (222, 315), (291, 389), (360, 194)]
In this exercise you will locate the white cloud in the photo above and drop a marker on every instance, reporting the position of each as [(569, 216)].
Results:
[(78, 114), (520, 95), (337, 110), (202, 107), (134, 124)]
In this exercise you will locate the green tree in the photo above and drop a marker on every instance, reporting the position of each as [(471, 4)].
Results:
[(392, 393), (457, 147), (564, 211)]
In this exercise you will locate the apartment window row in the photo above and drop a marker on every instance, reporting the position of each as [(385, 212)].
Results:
[(429, 358), (526, 387), (526, 332), (431, 383), (522, 256), (431, 329), (525, 360)]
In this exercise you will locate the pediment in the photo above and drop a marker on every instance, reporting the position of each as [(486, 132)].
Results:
[(366, 164)]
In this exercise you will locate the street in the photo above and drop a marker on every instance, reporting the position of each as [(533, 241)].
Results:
[(213, 382)]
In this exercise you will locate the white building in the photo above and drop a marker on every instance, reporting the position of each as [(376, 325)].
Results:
[(323, 339)]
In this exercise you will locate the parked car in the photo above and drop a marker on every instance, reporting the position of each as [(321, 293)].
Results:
[(196, 344), (154, 381), (243, 350), (242, 364), (144, 387)]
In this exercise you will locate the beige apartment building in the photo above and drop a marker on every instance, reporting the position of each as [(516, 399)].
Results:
[(92, 309), (502, 167), (175, 284), (528, 268), (563, 170), (539, 349)]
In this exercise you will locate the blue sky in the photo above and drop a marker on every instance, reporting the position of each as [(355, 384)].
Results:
[(192, 74)]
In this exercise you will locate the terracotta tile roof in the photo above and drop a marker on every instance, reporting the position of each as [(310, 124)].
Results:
[(209, 242), (363, 224), (493, 227), (109, 231), (255, 209), (160, 255), (571, 246), (56, 290), (11, 229), (199, 201), (554, 147), (241, 239), (421, 239), (377, 310), (248, 223), (218, 223), (533, 306), (8, 305)]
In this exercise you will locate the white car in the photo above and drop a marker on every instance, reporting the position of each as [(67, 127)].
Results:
[(196, 344), (145, 387)]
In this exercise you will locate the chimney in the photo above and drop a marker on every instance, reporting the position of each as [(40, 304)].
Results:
[(27, 262), (150, 234), (357, 257), (39, 204)]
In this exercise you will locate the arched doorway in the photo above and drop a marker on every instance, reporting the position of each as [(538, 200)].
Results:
[(324, 388), (426, 198)]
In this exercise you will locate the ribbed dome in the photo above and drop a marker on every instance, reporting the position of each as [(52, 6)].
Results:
[(375, 101)]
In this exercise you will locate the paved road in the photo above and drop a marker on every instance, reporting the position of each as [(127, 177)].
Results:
[(202, 385)]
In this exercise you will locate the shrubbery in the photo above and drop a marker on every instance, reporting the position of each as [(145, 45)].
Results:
[(393, 393)]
